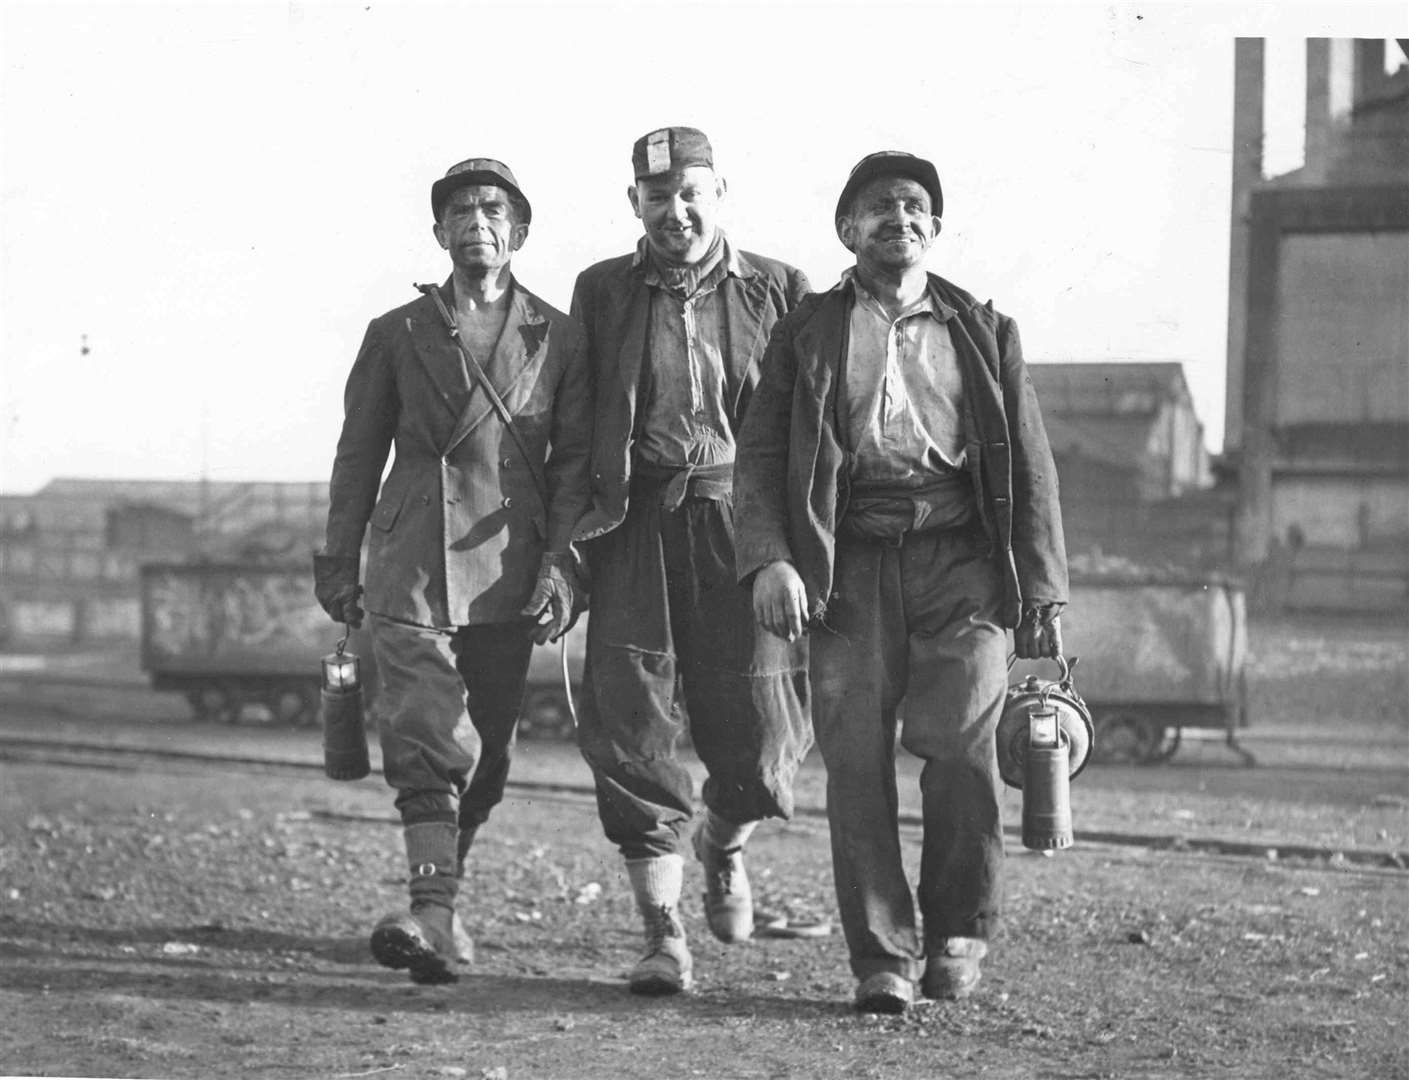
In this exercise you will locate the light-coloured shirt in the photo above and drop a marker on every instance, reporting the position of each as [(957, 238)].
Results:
[(904, 392), (686, 414)]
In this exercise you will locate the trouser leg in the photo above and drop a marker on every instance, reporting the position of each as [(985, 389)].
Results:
[(628, 729), (446, 707), (857, 673), (957, 684), (746, 692), (493, 661)]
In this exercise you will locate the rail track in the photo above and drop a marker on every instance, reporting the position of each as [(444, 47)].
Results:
[(74, 753)]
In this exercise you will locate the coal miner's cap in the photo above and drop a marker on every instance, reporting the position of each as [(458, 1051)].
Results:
[(476, 170), (893, 163), (670, 150)]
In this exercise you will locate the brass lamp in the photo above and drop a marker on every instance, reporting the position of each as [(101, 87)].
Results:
[(344, 721)]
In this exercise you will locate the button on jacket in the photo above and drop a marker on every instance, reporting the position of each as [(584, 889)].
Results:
[(459, 527)]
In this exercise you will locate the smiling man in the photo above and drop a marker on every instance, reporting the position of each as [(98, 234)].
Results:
[(468, 561), (675, 334), (896, 495)]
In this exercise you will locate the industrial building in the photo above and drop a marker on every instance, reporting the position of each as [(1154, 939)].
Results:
[(1317, 425)]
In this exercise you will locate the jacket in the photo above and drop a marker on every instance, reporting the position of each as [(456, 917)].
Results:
[(791, 466), (459, 528), (612, 301)]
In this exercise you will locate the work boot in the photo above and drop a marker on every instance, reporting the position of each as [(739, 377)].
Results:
[(952, 970), (666, 966), (464, 945), (424, 941), (728, 898), (885, 992), (421, 941)]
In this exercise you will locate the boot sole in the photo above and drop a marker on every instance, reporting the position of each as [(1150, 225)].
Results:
[(394, 948), (658, 986)]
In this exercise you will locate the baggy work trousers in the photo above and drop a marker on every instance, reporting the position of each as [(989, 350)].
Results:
[(447, 705), (666, 603), (917, 621)]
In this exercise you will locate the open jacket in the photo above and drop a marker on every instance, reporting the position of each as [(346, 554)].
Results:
[(460, 527), (613, 303), (791, 469)]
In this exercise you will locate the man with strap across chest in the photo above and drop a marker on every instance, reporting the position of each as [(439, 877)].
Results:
[(468, 559)]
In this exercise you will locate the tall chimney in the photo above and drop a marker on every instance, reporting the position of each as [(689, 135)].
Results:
[(1330, 95), (1248, 79)]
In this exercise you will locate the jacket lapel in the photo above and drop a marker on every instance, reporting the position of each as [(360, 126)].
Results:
[(826, 337), (631, 332), (746, 336), (525, 331), (437, 351)]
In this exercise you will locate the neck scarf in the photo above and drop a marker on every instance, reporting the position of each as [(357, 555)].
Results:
[(684, 280)]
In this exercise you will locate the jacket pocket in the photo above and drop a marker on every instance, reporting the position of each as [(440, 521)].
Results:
[(387, 510)]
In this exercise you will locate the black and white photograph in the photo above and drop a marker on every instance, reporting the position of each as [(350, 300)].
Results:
[(723, 539)]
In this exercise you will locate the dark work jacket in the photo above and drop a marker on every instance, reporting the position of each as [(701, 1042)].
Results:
[(613, 302), (459, 529), (791, 468)]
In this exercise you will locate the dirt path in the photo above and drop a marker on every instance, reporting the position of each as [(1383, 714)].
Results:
[(199, 924), (186, 919)]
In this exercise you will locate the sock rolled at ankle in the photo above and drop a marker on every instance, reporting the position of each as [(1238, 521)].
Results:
[(725, 835), (657, 882)]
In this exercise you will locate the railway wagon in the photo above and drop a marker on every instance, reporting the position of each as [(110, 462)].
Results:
[(245, 640), (236, 638), (1158, 652)]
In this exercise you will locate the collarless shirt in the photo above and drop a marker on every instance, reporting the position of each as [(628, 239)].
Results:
[(686, 418), (904, 391)]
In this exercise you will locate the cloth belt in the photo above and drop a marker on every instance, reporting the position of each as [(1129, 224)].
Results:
[(676, 483), (886, 513)]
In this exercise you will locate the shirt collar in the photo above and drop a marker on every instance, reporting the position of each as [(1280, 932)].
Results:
[(929, 303), (730, 260)]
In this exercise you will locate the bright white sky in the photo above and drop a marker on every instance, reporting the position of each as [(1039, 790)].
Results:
[(221, 195)]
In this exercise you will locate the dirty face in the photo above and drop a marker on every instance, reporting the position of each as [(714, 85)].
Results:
[(889, 225), (680, 212), (479, 228)]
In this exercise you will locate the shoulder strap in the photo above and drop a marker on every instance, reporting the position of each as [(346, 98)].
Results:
[(472, 368)]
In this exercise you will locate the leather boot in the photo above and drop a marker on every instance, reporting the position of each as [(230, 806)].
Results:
[(464, 944), (422, 941), (666, 966), (728, 898), (952, 970)]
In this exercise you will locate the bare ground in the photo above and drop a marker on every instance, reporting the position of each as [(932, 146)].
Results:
[(193, 920)]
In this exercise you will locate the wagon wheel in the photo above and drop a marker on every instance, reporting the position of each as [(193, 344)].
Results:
[(293, 704), (1125, 736), (1165, 746), (545, 715), (214, 703)]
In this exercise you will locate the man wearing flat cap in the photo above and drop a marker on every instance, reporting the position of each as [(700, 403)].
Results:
[(896, 495), (676, 331), (483, 391)]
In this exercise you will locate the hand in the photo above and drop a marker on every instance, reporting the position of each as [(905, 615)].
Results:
[(556, 601), (1040, 633), (335, 585), (780, 600)]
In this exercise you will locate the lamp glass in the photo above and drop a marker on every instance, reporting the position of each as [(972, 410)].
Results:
[(341, 672), (1043, 727)]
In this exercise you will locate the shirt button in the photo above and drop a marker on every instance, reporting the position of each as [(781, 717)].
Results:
[(508, 463), (508, 501)]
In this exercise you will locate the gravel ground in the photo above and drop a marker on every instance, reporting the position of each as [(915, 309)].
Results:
[(181, 919)]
